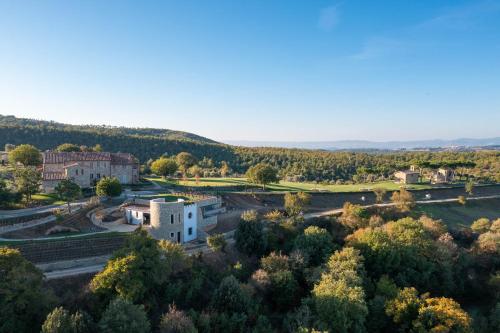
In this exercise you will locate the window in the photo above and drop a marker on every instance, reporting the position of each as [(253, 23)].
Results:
[(98, 176), (136, 214), (190, 231), (76, 172), (171, 235), (179, 217), (91, 176), (172, 219), (82, 172), (190, 215)]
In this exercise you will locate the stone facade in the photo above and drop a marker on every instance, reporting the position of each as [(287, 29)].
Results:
[(183, 221), (86, 168), (443, 175), (407, 176)]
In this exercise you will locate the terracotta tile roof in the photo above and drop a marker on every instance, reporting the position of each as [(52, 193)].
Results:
[(122, 158), (69, 157), (53, 176), (65, 157)]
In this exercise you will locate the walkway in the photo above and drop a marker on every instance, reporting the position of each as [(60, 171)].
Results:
[(5, 214)]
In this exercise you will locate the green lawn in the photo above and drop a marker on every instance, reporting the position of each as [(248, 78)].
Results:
[(457, 215), (166, 196), (47, 199), (286, 186)]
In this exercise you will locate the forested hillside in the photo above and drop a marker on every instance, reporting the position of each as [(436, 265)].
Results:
[(144, 143), (300, 164)]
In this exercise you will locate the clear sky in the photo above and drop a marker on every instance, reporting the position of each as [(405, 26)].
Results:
[(257, 70)]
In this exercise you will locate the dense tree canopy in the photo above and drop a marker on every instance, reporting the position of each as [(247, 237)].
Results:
[(25, 154), (108, 187), (23, 301)]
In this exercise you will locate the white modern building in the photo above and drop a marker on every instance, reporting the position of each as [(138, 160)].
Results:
[(179, 221)]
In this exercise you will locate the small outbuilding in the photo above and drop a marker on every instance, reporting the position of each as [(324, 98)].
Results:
[(407, 176)]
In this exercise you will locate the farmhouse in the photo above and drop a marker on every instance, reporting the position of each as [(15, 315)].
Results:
[(86, 168), (180, 221), (443, 175), (407, 176)]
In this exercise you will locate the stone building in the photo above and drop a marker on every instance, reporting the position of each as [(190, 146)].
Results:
[(443, 175), (86, 168), (181, 221), (407, 176)]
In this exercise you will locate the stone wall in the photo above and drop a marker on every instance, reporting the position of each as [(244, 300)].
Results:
[(162, 215)]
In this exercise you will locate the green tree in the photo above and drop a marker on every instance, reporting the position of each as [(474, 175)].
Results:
[(68, 147), (403, 309), (27, 155), (481, 225), (27, 181), (68, 191), (403, 200), (217, 242), (108, 187), (133, 271), (284, 290), (23, 301), (121, 316), (262, 174), (185, 161), (6, 196), (58, 321), (406, 252), (250, 235), (316, 244), (229, 297), (164, 167), (338, 297), (379, 194), (176, 321), (295, 203)]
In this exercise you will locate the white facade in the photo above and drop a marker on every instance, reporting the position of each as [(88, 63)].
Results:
[(134, 216), (190, 222)]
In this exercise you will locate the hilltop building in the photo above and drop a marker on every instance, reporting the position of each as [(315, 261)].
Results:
[(86, 168), (180, 221), (407, 176)]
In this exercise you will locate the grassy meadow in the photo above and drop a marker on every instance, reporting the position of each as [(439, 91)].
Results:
[(457, 215), (284, 185)]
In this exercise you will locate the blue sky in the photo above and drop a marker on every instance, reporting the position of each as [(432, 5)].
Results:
[(257, 70)]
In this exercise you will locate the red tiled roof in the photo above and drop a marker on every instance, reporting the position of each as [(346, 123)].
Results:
[(53, 176), (67, 157), (122, 158)]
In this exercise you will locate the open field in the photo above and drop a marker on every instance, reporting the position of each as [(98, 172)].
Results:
[(457, 215), (284, 186)]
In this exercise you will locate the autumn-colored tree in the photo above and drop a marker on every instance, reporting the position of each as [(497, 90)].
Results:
[(379, 194), (403, 200), (164, 166)]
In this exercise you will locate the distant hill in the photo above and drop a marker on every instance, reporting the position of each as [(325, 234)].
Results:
[(144, 143), (6, 121), (367, 145)]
